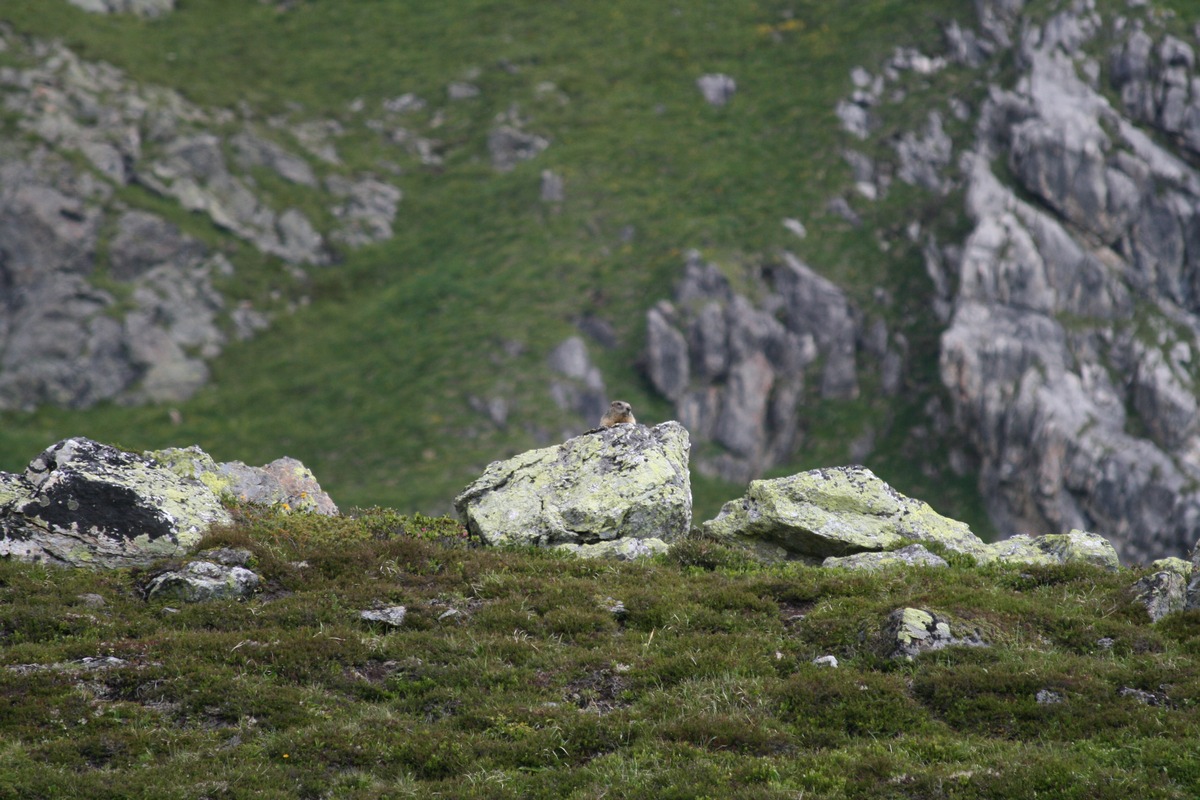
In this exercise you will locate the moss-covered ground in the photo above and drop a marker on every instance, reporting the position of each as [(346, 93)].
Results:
[(517, 675)]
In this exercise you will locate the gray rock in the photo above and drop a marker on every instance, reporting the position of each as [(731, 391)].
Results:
[(834, 512), (142, 8), (909, 632), (391, 617), (1162, 593), (367, 211), (826, 661), (1047, 697), (82, 503), (203, 581), (666, 356), (285, 483), (581, 389), (717, 89), (254, 151), (624, 482), (145, 240), (510, 146), (553, 188), (912, 555)]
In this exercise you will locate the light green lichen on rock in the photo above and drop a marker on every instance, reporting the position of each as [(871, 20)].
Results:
[(835, 512), (629, 481)]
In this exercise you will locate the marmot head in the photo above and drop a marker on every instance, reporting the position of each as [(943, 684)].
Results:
[(620, 407)]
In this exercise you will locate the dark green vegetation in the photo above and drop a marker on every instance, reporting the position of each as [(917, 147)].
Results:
[(512, 676), (370, 384)]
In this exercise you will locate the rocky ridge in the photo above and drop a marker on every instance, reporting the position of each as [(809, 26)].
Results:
[(1070, 309), (100, 300)]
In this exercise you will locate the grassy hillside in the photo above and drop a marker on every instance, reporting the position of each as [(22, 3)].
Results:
[(370, 384), (512, 677)]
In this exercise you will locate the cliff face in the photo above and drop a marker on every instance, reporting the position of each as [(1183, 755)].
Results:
[(102, 300), (1070, 356), (1070, 308)]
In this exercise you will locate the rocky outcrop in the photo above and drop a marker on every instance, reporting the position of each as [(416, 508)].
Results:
[(591, 493), (736, 370), (910, 632), (100, 301), (81, 503), (1070, 353), (1072, 307), (831, 516), (914, 555), (143, 8), (85, 504), (834, 512)]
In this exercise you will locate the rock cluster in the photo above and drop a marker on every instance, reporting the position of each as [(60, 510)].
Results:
[(735, 370), (1077, 317), (101, 301), (1071, 307), (85, 504), (847, 517)]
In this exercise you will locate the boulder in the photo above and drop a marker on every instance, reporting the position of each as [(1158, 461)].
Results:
[(391, 617), (623, 482), (838, 511), (909, 632), (201, 581), (912, 556), (285, 483), (82, 503), (1162, 593)]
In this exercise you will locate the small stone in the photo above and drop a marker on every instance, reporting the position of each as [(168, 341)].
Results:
[(1047, 697), (825, 661), (392, 616), (717, 89)]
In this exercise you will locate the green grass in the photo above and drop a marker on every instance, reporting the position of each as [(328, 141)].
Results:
[(370, 384), (534, 688)]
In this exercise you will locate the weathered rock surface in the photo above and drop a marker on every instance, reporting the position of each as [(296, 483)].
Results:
[(848, 517), (835, 512), (912, 556), (628, 482), (909, 632), (143, 8), (85, 504), (285, 483), (1162, 593), (202, 581), (87, 129), (736, 370), (1046, 367), (391, 617)]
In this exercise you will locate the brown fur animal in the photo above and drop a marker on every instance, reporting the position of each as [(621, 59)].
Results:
[(619, 413)]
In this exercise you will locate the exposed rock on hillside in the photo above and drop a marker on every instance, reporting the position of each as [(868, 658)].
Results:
[(1070, 354), (147, 334), (85, 504), (590, 494), (829, 516), (736, 369), (143, 8)]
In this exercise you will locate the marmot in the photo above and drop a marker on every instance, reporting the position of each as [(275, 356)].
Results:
[(619, 413)]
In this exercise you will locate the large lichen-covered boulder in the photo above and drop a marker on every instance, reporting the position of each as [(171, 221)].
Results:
[(1075, 547), (623, 482), (285, 483), (82, 503), (836, 511)]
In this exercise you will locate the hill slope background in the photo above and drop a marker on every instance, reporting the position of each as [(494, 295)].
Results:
[(558, 172), (370, 384)]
